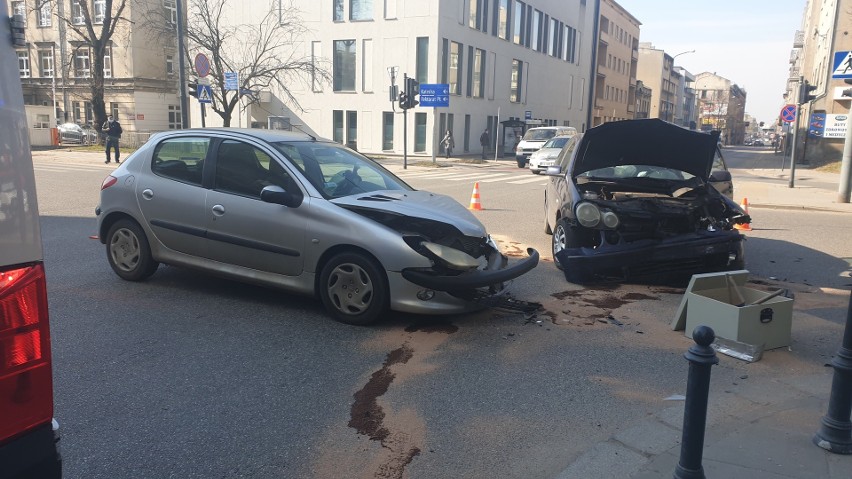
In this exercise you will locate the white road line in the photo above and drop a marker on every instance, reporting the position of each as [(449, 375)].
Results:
[(499, 178), (529, 180), (436, 176), (478, 177), (69, 168)]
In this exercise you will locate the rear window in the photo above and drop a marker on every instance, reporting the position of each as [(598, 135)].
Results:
[(181, 159), (539, 135)]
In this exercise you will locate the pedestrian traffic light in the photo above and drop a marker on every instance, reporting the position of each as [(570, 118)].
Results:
[(403, 100), (412, 89), (805, 93), (192, 89)]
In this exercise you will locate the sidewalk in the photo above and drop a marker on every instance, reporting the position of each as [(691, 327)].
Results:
[(769, 188)]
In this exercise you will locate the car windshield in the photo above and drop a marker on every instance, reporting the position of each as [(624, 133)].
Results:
[(636, 171), (539, 135), (556, 142), (337, 171), (71, 126)]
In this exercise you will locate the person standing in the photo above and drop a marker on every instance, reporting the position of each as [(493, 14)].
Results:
[(113, 131), (484, 140), (448, 143)]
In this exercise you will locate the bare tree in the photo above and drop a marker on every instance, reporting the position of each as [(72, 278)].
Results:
[(95, 33), (265, 55)]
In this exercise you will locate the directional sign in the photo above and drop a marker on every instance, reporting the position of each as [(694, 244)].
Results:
[(232, 81), (205, 94), (842, 65), (788, 113), (434, 94), (202, 65)]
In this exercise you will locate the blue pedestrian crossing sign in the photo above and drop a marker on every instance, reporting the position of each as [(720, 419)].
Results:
[(205, 94), (842, 65)]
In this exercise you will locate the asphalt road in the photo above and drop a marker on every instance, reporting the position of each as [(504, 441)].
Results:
[(188, 375)]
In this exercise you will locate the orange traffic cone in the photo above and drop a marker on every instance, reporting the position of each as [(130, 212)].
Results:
[(744, 226), (475, 205)]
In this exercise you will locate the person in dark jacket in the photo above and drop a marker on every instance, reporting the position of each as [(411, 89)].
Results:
[(113, 131), (484, 140)]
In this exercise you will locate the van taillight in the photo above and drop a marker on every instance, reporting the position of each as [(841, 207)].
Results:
[(26, 382)]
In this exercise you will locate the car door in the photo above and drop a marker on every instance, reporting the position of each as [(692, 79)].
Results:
[(245, 231), (722, 182), (170, 194)]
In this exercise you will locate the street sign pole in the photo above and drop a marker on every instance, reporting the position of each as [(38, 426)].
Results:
[(792, 183), (435, 141), (405, 128)]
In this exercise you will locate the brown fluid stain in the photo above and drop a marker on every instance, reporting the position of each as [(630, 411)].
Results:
[(366, 415), (590, 306)]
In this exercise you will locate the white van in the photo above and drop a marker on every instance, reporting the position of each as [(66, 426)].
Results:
[(534, 138), (28, 432)]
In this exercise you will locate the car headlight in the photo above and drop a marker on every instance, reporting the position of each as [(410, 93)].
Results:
[(452, 258), (588, 214), (610, 219)]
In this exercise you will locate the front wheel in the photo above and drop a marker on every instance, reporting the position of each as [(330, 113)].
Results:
[(522, 162), (566, 236), (353, 289), (128, 251)]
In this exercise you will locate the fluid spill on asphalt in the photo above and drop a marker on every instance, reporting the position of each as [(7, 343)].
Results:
[(590, 306), (366, 415)]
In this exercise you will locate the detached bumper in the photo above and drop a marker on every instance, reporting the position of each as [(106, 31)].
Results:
[(698, 252), (474, 279)]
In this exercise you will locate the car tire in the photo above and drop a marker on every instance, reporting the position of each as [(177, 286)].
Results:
[(535, 172), (522, 163), (353, 289), (128, 251), (564, 236)]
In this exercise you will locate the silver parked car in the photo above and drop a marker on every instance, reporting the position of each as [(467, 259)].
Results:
[(303, 214), (72, 133)]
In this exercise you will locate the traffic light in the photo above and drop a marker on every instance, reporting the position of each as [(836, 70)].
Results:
[(761, 124), (805, 93), (192, 89), (412, 89), (403, 100)]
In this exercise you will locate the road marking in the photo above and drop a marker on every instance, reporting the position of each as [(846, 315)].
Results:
[(492, 180), (69, 167), (529, 180), (478, 177)]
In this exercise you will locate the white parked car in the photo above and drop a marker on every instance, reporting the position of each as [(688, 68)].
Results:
[(535, 138), (546, 156)]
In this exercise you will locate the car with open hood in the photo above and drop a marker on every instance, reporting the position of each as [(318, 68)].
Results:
[(639, 197), (303, 214)]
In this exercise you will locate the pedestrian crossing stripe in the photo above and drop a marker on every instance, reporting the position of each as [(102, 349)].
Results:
[(842, 65)]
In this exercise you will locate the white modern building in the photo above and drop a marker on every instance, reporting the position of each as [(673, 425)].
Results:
[(527, 61)]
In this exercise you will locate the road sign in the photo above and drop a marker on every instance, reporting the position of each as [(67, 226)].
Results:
[(232, 81), (205, 94), (202, 65), (788, 113), (434, 94), (842, 65), (528, 115)]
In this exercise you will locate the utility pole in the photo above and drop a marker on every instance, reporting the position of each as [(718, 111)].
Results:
[(843, 191), (795, 126), (184, 103), (404, 105)]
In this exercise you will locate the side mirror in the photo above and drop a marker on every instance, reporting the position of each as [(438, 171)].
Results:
[(720, 175), (277, 195), (553, 171)]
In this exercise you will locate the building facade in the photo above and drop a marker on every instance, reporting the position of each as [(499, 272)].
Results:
[(686, 113), (616, 64), (656, 70), (140, 68), (721, 105), (643, 101), (526, 61)]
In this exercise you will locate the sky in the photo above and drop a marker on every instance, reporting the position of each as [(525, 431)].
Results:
[(746, 41)]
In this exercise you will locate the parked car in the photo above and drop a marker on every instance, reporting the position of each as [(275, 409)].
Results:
[(535, 138), (547, 154), (639, 197), (303, 214), (758, 142), (72, 133), (29, 434)]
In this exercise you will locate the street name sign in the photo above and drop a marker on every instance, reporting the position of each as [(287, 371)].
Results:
[(435, 94)]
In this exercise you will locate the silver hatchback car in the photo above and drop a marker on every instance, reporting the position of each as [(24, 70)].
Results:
[(303, 214)]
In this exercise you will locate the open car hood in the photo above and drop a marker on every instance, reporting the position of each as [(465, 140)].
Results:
[(651, 142), (416, 204)]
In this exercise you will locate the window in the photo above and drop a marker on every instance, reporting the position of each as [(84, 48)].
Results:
[(181, 159), (455, 59), (170, 7), (360, 10), (19, 9), (24, 63), (352, 129), (45, 14), (535, 36), (503, 20), (108, 62), (571, 44), (82, 63), (170, 65), (45, 63), (338, 11), (337, 127), (419, 132), (344, 65), (387, 130), (100, 11), (475, 19), (113, 109), (553, 38), (422, 74), (515, 83), (478, 73), (77, 17), (245, 170), (175, 118), (518, 29), (42, 122)]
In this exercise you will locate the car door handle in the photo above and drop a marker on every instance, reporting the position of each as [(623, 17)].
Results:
[(147, 193), (218, 210)]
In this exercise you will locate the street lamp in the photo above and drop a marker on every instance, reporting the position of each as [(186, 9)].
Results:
[(677, 96), (681, 53)]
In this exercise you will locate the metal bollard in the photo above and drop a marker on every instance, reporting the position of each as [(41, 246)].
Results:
[(701, 358), (835, 433)]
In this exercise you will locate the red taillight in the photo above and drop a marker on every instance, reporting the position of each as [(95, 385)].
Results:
[(108, 181), (26, 383)]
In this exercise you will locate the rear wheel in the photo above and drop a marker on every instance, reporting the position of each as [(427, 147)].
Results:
[(353, 289), (128, 251)]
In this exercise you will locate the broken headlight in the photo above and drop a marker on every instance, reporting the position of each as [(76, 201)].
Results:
[(448, 257), (590, 215)]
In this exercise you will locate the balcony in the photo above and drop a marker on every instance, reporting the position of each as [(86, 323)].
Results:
[(799, 39)]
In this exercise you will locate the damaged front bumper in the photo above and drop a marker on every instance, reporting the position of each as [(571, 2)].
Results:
[(695, 252)]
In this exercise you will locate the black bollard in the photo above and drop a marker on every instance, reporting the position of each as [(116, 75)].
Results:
[(701, 358), (835, 433)]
